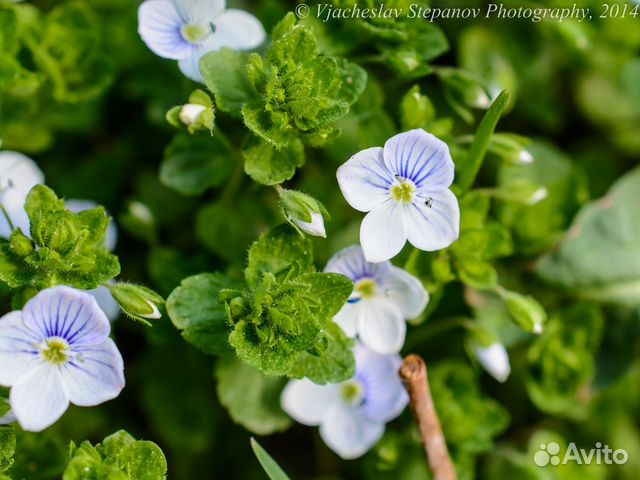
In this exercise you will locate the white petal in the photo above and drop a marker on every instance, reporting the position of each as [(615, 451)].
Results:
[(383, 232), (365, 180), (405, 290), (385, 396), (381, 326), (315, 227), (349, 433), (18, 348), (347, 318), (18, 175), (38, 398), (421, 157), (436, 226), (199, 11), (495, 360), (307, 402), (235, 29), (190, 66), (106, 302), (94, 375), (351, 263), (78, 206), (67, 313), (160, 26)]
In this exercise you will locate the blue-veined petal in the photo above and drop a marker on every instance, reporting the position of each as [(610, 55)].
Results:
[(160, 26), (421, 157), (381, 325), (405, 290), (67, 313), (434, 226), (199, 11), (38, 398), (18, 348), (94, 374), (385, 397), (364, 179), (351, 263), (307, 402), (349, 432), (383, 232), (235, 29)]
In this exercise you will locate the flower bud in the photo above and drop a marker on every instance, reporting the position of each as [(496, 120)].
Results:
[(190, 113), (304, 212), (136, 301), (494, 359), (525, 311), (522, 191), (511, 148), (196, 114), (465, 86)]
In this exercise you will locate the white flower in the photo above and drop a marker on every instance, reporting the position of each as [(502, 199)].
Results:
[(184, 30), (315, 227), (57, 351), (352, 414), (383, 297), (494, 359), (405, 188), (18, 175)]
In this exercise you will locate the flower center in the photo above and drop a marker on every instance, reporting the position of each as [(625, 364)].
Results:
[(55, 350), (196, 33), (352, 392), (404, 190), (366, 288)]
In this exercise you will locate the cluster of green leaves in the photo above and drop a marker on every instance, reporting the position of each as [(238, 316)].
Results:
[(289, 98), (118, 457), (64, 248), (53, 66), (281, 323)]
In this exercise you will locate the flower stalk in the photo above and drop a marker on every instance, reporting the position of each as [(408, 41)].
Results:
[(413, 374)]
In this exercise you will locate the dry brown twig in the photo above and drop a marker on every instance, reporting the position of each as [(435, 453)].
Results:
[(413, 373)]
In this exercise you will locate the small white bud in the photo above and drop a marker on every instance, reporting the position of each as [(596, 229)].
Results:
[(315, 227), (539, 195), (190, 113), (495, 360), (525, 156)]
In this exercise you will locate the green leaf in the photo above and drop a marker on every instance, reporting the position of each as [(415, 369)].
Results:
[(252, 399), (7, 446), (195, 310), (224, 74), (270, 166), (467, 170), (192, 164), (593, 260), (272, 469), (119, 457), (275, 250), (416, 109), (333, 363)]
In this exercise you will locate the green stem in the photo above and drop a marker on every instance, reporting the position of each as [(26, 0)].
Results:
[(222, 138), (7, 217), (431, 330)]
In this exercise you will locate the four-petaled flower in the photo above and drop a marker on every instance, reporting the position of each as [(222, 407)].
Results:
[(383, 297), (405, 188), (57, 351), (18, 174), (184, 30), (352, 414)]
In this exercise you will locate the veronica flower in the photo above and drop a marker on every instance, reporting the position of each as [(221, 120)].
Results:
[(184, 30), (18, 174), (494, 359), (57, 351), (405, 188), (352, 414), (383, 298)]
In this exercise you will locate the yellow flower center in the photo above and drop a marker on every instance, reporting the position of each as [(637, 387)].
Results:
[(195, 33), (403, 191), (55, 350), (366, 288), (352, 392)]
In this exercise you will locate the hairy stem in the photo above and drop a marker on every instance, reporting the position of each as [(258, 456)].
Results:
[(413, 373)]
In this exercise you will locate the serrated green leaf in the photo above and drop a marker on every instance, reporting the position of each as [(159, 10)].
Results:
[(224, 74), (270, 166)]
